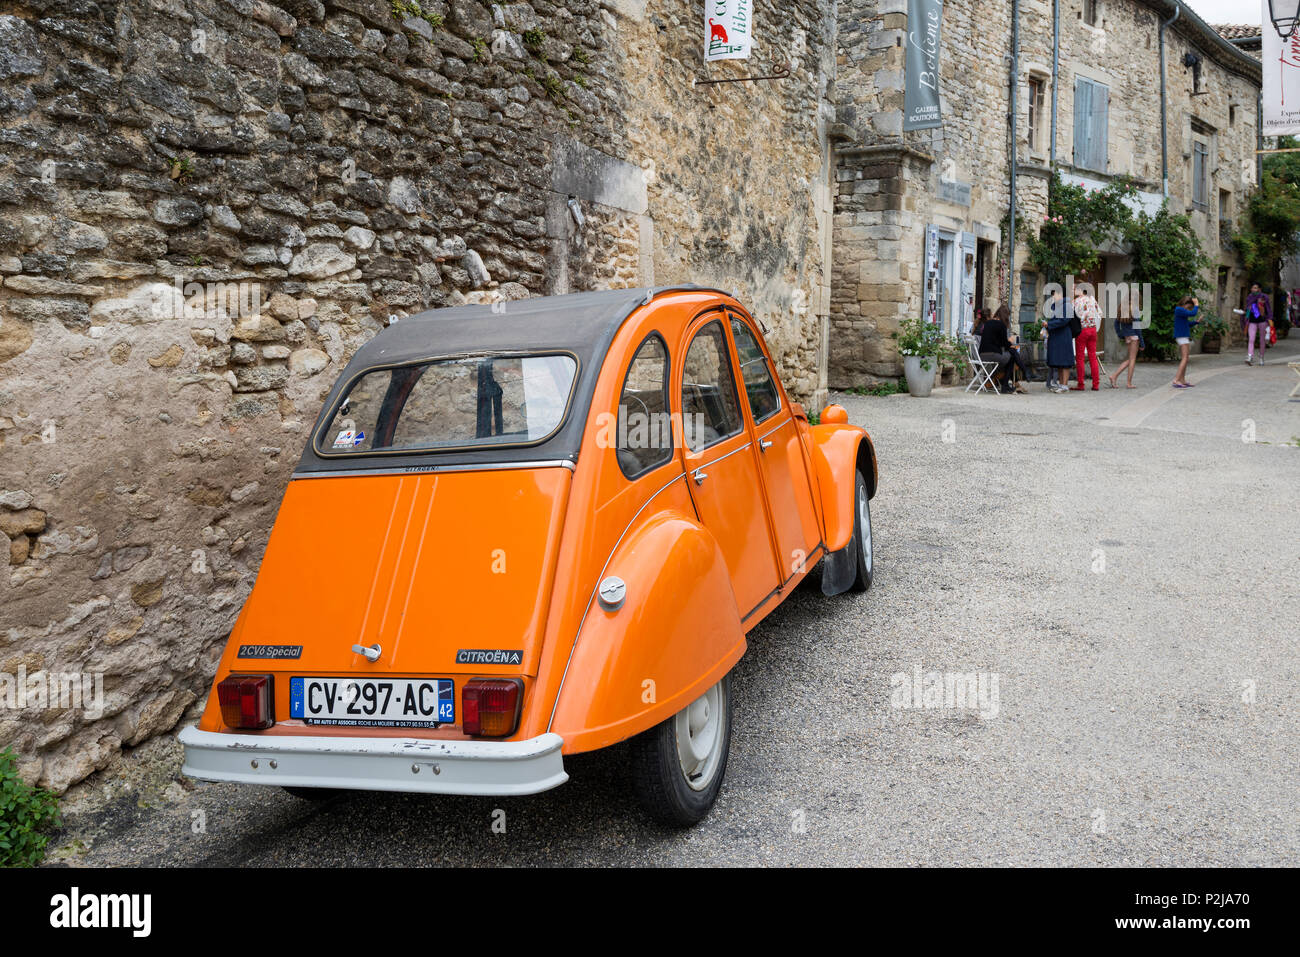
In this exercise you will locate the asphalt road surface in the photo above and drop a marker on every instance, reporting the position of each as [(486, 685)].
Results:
[(1122, 563)]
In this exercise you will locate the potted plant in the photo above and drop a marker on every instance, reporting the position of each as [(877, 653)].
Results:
[(923, 348), (1213, 329)]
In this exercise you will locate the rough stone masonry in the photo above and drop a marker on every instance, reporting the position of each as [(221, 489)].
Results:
[(207, 205)]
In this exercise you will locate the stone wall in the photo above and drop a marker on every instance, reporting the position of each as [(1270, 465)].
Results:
[(206, 206)]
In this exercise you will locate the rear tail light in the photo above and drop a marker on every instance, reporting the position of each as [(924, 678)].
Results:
[(247, 701), (490, 706)]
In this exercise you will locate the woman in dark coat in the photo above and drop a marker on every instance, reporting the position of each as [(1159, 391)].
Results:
[(1060, 344)]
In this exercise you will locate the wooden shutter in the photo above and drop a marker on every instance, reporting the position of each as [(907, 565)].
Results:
[(1097, 128), (1082, 116), (1091, 115)]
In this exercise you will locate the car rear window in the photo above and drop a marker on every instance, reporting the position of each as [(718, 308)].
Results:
[(460, 403)]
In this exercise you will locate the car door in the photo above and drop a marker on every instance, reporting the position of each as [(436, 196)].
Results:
[(781, 458), (720, 461)]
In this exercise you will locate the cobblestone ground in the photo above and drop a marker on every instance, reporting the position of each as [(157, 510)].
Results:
[(1122, 562)]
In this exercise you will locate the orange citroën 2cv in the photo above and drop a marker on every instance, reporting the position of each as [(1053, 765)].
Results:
[(529, 531)]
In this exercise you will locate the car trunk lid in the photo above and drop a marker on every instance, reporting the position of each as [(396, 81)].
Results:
[(448, 573)]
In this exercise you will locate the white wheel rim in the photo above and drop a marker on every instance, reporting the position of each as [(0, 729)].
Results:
[(864, 523), (700, 737)]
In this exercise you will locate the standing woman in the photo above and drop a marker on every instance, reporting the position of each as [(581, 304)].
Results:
[(1259, 312), (1184, 318), (1127, 334), (1085, 344), (1060, 344)]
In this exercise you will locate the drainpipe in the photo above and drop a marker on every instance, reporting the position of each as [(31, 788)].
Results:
[(1259, 140), (1164, 120), (1056, 71), (1015, 157)]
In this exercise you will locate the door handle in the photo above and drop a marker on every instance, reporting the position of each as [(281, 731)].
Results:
[(764, 444), (699, 475)]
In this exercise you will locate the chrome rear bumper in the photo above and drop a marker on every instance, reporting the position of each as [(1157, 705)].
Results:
[(376, 764)]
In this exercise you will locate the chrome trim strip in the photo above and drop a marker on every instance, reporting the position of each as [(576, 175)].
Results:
[(439, 469), (720, 458), (599, 578)]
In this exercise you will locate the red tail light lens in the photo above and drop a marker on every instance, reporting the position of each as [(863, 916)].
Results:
[(490, 706), (247, 701)]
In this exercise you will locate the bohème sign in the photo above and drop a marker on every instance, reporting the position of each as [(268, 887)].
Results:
[(728, 29), (921, 95), (1281, 91)]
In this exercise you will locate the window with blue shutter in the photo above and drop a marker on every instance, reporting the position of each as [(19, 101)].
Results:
[(1091, 115)]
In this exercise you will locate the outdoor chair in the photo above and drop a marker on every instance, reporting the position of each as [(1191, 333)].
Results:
[(981, 370)]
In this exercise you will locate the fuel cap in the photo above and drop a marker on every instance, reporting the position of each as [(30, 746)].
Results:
[(612, 592)]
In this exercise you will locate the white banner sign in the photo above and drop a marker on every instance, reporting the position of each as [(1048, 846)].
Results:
[(1281, 80), (728, 29)]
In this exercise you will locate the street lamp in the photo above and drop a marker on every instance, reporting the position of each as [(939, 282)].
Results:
[(1284, 14)]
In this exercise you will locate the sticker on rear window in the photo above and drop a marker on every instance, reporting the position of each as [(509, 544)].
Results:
[(345, 439), (489, 656)]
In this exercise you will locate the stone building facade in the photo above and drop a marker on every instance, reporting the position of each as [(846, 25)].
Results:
[(206, 206), (920, 217)]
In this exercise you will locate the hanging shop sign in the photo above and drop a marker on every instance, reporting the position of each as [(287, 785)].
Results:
[(921, 92), (728, 29)]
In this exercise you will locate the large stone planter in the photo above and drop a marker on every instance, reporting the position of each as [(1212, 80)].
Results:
[(920, 381)]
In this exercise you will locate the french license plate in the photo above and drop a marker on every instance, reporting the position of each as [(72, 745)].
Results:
[(373, 702)]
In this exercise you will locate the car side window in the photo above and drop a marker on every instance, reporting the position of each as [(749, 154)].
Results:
[(764, 399), (645, 432), (710, 405)]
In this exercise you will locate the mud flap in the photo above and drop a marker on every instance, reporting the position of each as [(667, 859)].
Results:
[(840, 568)]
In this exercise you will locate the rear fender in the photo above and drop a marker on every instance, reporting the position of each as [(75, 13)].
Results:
[(676, 634)]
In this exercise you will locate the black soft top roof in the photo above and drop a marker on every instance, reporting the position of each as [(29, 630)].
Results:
[(583, 323)]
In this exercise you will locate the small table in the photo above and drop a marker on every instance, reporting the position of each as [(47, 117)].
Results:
[(1294, 366)]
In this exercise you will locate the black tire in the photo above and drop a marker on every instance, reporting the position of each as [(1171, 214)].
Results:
[(864, 557), (658, 778), (315, 794)]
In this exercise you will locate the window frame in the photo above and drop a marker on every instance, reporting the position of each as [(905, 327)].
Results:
[(327, 418), (767, 364), (1201, 181), (1097, 149), (1035, 112), (668, 395), (735, 391)]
